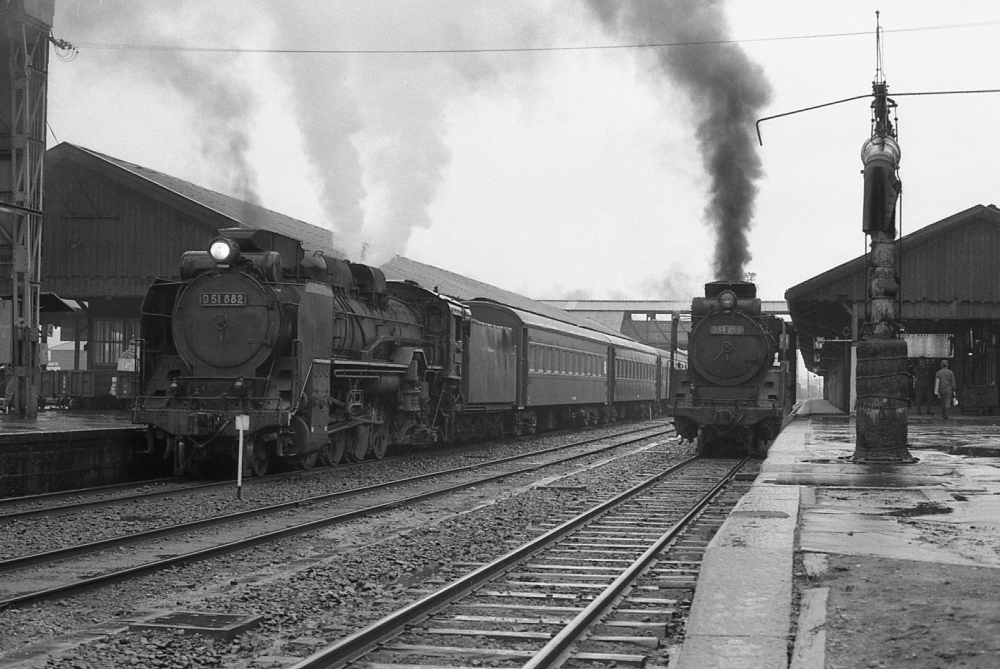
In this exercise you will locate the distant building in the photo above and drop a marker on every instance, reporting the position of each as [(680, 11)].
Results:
[(63, 356)]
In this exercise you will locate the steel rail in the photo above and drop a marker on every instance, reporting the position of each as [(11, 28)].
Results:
[(41, 497), (360, 643), (62, 509), (45, 557), (243, 544), (556, 649)]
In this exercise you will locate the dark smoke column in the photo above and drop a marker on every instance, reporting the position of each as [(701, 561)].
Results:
[(728, 92)]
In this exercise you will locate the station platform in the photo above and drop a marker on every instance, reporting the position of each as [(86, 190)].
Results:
[(66, 450), (827, 563), (65, 420)]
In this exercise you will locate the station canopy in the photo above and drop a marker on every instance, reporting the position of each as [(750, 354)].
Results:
[(949, 272)]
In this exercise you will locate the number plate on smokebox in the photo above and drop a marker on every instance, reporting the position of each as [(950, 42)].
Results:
[(725, 329), (223, 299)]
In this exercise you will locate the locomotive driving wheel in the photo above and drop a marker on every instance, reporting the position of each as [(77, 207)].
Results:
[(307, 461), (333, 450), (378, 442), (260, 456), (357, 443)]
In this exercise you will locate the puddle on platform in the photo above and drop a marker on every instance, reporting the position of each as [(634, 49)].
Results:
[(921, 509)]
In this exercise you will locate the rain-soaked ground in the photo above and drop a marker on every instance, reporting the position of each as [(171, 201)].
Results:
[(959, 435)]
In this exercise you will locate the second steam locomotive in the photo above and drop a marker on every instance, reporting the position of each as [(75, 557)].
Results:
[(741, 378), (316, 359)]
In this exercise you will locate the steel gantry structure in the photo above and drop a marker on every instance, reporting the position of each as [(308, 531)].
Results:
[(24, 46)]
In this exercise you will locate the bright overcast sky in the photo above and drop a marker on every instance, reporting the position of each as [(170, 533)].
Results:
[(554, 173)]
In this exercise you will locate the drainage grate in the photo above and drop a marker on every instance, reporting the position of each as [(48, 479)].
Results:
[(223, 626)]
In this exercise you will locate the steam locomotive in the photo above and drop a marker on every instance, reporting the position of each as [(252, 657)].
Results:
[(314, 359), (740, 381)]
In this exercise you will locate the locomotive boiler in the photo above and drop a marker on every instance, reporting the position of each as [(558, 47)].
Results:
[(740, 381), (312, 356)]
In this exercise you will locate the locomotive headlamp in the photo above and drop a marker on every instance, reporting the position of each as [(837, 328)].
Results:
[(223, 250), (727, 300)]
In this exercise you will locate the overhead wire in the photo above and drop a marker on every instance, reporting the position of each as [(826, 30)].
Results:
[(534, 49)]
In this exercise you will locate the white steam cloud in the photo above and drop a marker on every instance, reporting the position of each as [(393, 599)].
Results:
[(373, 125)]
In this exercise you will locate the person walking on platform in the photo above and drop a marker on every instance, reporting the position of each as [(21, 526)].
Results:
[(923, 386), (944, 387)]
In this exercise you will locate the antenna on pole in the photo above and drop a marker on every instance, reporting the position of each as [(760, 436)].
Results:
[(882, 103), (879, 77)]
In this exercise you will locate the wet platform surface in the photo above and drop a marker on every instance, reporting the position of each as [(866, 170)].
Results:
[(56, 420), (810, 502)]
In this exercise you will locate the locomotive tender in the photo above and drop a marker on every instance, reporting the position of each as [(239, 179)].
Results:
[(741, 378), (327, 359)]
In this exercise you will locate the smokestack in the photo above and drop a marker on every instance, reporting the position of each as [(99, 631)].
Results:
[(727, 90)]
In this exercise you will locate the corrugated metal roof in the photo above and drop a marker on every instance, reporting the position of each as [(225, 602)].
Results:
[(463, 288), (954, 258), (243, 214)]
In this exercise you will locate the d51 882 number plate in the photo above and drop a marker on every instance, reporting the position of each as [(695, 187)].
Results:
[(223, 299)]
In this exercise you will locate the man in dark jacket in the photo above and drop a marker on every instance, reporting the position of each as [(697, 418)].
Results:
[(945, 387), (923, 386)]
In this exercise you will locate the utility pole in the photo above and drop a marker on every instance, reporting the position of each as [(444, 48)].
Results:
[(24, 48)]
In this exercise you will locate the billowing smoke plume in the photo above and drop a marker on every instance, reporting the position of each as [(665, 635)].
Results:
[(727, 91), (221, 102), (374, 124), (675, 284), (326, 110)]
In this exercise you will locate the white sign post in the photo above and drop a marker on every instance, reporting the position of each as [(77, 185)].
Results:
[(242, 425)]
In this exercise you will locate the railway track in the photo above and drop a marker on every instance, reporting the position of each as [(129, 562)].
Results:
[(610, 586), (102, 562), (72, 501)]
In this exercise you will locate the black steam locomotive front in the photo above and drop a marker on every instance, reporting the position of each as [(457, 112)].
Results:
[(305, 360), (738, 386)]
